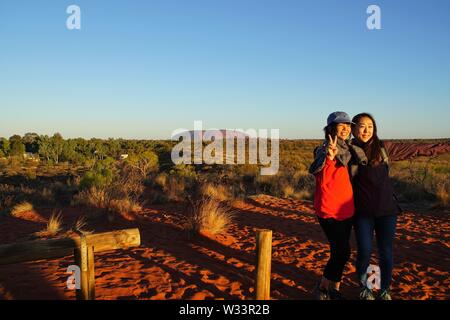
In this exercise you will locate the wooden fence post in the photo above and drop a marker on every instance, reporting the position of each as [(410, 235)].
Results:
[(263, 263), (84, 258)]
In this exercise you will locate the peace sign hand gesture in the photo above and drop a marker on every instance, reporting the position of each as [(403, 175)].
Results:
[(332, 149)]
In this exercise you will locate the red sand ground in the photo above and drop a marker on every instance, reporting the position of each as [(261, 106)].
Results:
[(168, 266)]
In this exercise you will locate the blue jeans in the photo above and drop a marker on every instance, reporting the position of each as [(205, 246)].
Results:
[(384, 228)]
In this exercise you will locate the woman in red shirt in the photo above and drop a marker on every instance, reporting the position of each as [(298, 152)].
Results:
[(333, 201)]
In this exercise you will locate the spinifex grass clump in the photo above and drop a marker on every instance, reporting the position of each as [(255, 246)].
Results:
[(209, 215), (20, 208), (117, 192), (53, 226), (216, 191)]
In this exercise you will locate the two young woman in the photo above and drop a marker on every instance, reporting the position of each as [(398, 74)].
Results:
[(353, 188)]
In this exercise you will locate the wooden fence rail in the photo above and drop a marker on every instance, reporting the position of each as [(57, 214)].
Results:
[(82, 247)]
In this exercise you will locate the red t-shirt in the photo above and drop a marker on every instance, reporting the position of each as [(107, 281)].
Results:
[(334, 194)]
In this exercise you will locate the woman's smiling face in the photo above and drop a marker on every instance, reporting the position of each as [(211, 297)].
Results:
[(343, 131), (363, 130)]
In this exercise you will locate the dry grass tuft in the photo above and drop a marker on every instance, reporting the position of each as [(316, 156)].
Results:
[(20, 208), (93, 197), (53, 226), (110, 199), (124, 206), (79, 226), (217, 192), (209, 215), (443, 195), (287, 191)]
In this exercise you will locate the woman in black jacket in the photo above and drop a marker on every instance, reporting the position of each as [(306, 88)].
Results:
[(375, 207)]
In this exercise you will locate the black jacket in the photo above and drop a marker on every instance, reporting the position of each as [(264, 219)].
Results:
[(372, 188), (373, 191)]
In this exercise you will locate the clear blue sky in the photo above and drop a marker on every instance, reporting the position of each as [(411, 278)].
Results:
[(140, 69)]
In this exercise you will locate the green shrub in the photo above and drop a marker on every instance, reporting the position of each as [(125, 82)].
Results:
[(100, 175), (96, 179)]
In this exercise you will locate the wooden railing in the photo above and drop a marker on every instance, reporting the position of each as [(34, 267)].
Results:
[(82, 247)]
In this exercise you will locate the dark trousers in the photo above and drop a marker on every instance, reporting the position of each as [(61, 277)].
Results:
[(338, 235), (384, 228)]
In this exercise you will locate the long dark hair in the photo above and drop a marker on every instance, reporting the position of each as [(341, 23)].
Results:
[(372, 148)]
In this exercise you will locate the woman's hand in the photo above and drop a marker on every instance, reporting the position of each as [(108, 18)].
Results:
[(332, 149)]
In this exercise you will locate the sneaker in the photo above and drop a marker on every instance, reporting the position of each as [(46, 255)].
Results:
[(385, 295), (320, 293), (335, 294), (366, 294)]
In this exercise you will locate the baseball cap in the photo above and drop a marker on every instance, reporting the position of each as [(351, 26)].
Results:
[(338, 117)]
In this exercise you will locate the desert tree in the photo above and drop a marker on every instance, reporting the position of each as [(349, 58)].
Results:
[(17, 148), (30, 140), (57, 144), (114, 148), (4, 147), (51, 148), (70, 153), (145, 162), (45, 147)]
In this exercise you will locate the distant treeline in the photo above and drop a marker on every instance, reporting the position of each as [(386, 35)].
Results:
[(55, 149)]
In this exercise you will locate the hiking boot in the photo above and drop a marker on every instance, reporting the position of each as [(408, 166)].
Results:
[(366, 294), (385, 295), (320, 293), (335, 294)]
